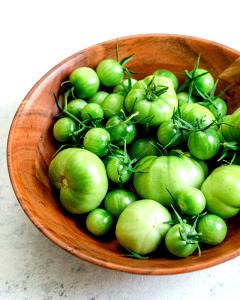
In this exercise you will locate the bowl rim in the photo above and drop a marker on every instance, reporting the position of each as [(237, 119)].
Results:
[(48, 233)]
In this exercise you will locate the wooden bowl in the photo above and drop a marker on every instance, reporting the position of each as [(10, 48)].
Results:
[(31, 146)]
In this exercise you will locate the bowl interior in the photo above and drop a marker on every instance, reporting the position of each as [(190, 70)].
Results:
[(31, 146)]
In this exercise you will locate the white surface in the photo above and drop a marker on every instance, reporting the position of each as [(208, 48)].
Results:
[(35, 36)]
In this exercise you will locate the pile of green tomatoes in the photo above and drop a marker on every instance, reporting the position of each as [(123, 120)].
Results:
[(152, 162)]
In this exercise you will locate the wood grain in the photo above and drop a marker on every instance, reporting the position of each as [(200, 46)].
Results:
[(30, 148)]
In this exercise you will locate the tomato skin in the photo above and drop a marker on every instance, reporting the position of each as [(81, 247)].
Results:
[(110, 72), (97, 141), (143, 147), (204, 144), (152, 108), (117, 200), (92, 111), (155, 176), (175, 243), (191, 201), (81, 178), (168, 74), (191, 112), (218, 107), (212, 228), (222, 191), (183, 98), (85, 81), (141, 226), (121, 131), (75, 107), (99, 221), (123, 88), (230, 129), (63, 128), (112, 105), (204, 84), (98, 97)]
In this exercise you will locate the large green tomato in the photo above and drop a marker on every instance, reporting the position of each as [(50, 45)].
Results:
[(155, 176), (142, 225), (153, 104), (81, 178), (222, 191)]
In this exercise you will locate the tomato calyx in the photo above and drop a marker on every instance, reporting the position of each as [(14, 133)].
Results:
[(153, 92), (64, 182), (126, 87), (183, 128), (188, 236), (211, 101), (134, 254), (230, 153), (126, 70), (190, 80), (122, 128), (126, 164)]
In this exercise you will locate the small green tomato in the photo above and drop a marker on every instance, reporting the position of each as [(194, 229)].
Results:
[(99, 221), (212, 228), (191, 201), (75, 106), (63, 129)]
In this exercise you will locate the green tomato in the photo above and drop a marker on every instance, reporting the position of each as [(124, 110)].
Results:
[(168, 74), (85, 81), (204, 144), (153, 104), (155, 176), (169, 135), (184, 97), (212, 228), (230, 128), (99, 222), (92, 111), (63, 129), (191, 201), (117, 166), (142, 225), (117, 200), (75, 107), (112, 105), (124, 87), (217, 106), (175, 243), (97, 140), (195, 113), (222, 191), (121, 131), (143, 147), (98, 97), (110, 72), (81, 178), (203, 83)]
